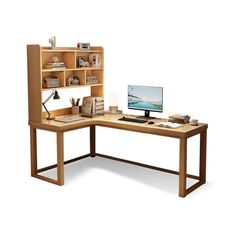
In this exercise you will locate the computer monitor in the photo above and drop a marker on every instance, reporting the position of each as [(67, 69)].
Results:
[(147, 98)]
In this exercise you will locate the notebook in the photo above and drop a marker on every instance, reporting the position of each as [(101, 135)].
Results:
[(169, 125), (69, 119)]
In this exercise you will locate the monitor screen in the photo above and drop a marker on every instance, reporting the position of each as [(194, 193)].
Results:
[(147, 98)]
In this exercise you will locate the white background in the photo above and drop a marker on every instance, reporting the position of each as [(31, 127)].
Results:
[(189, 48)]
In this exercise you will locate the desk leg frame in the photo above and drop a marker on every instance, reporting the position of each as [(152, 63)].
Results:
[(182, 166), (183, 191), (33, 150), (60, 158), (92, 141), (183, 175)]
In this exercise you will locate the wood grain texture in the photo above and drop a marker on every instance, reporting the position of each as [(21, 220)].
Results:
[(33, 150), (38, 57), (34, 83), (182, 167), (60, 158), (203, 147), (111, 121)]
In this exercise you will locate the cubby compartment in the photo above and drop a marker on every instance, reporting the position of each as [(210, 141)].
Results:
[(83, 59), (74, 78), (97, 90), (94, 76), (55, 59), (53, 75)]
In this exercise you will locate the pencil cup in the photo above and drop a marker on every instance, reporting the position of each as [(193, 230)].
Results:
[(75, 110)]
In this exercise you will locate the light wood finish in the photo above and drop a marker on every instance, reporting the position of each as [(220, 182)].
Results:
[(60, 158), (78, 86), (58, 112), (182, 167), (38, 57), (34, 83), (111, 121), (33, 150)]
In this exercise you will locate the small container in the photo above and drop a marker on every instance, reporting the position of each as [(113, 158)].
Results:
[(194, 122), (113, 109), (75, 110)]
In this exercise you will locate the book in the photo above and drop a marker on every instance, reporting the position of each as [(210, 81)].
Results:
[(169, 125), (55, 65), (179, 118)]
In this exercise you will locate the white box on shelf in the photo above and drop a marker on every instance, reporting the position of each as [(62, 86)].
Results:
[(95, 60)]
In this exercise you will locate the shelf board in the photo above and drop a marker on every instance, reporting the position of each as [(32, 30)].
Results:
[(54, 70), (84, 68), (71, 69), (73, 86), (70, 49)]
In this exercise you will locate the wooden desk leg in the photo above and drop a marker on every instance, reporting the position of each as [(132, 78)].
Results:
[(33, 150), (202, 165), (182, 167), (92, 141), (60, 158)]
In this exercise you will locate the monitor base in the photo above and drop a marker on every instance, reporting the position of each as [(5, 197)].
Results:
[(145, 117)]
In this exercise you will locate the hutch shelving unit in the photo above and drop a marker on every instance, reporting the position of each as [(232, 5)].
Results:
[(38, 57)]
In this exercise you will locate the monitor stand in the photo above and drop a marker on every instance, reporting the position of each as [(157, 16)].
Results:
[(146, 116)]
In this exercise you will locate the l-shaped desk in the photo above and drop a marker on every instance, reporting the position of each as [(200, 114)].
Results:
[(111, 121)]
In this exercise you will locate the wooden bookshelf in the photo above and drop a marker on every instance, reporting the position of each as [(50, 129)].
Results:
[(38, 57)]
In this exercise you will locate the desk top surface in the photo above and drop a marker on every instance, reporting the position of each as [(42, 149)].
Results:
[(112, 121)]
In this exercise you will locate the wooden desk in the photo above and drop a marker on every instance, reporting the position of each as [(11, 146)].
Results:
[(111, 121)]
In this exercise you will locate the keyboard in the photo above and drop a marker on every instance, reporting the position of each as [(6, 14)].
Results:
[(132, 120)]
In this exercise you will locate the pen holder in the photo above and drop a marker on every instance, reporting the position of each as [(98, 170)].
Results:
[(75, 110)]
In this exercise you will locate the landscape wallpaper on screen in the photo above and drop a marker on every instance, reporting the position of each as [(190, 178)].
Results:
[(145, 98)]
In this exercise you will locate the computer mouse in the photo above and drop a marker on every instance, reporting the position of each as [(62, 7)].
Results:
[(150, 122)]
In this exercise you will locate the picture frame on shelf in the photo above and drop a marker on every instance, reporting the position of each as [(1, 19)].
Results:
[(83, 46), (82, 61), (95, 60)]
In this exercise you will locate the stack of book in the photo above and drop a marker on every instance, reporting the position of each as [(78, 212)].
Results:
[(51, 82), (55, 65), (179, 118), (92, 80)]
